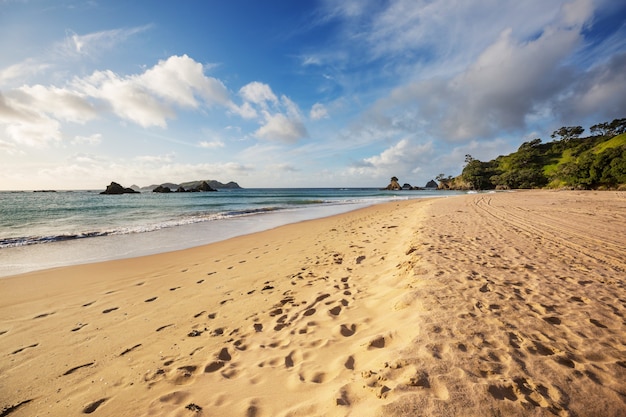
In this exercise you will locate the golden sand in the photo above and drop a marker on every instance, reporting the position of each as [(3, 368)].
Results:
[(507, 304)]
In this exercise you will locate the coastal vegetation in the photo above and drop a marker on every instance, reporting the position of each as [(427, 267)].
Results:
[(570, 161)]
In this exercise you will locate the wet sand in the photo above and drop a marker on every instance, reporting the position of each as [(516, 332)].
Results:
[(481, 305)]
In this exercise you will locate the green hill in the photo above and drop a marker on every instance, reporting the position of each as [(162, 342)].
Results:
[(593, 162)]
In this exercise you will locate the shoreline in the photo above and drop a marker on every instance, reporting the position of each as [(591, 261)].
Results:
[(162, 225), (481, 305), (124, 246)]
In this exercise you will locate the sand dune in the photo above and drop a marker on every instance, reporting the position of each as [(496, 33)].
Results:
[(483, 305)]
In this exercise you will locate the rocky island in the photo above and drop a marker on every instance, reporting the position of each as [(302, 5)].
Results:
[(394, 185), (114, 189), (191, 186), (203, 187)]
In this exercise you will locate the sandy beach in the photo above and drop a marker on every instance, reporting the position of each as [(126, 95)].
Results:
[(500, 304)]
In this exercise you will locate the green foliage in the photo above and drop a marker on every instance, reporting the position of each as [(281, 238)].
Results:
[(597, 161), (567, 133), (478, 173), (616, 127)]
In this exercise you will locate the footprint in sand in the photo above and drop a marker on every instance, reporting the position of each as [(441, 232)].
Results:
[(79, 326), (108, 310), (76, 368), (149, 300), (500, 392), (597, 323), (377, 343), (552, 320), (335, 311), (213, 367), (184, 374), (347, 331), (224, 355), (8, 410), (289, 363), (93, 406), (130, 349), (24, 348)]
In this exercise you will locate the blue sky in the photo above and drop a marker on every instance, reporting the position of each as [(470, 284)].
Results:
[(343, 93)]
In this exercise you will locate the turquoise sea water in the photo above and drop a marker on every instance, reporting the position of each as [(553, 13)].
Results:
[(42, 230)]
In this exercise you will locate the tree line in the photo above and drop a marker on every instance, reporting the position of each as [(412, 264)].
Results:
[(569, 161)]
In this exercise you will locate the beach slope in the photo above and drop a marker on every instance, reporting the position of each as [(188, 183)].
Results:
[(480, 305)]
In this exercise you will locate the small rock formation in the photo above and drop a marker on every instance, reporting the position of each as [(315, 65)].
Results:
[(162, 189), (393, 185), (204, 186), (115, 188), (431, 184)]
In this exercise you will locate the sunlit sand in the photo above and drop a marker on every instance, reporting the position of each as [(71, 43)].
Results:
[(481, 305)]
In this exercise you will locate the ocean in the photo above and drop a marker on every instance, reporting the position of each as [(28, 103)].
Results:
[(40, 230)]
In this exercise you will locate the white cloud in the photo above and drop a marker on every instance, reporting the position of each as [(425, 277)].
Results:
[(35, 135), (127, 97), (212, 144), (9, 148), (282, 123), (503, 85), (21, 70), (148, 99), (279, 128), (32, 114), (258, 93), (465, 70), (245, 110), (404, 156), (577, 12), (156, 159), (59, 103), (318, 112), (84, 158), (284, 167), (602, 92), (179, 79), (95, 42), (94, 139)]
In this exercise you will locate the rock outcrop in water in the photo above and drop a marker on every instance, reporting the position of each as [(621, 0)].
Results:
[(203, 186), (212, 185), (393, 185), (431, 184), (115, 188), (162, 189)]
